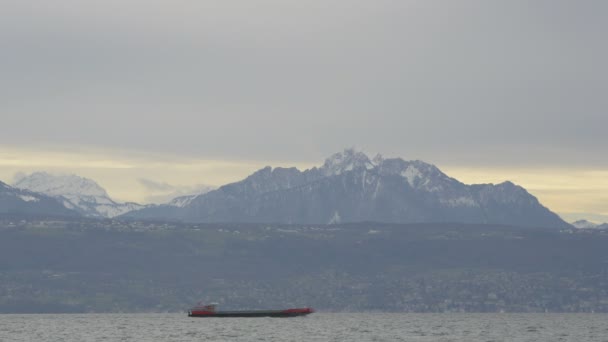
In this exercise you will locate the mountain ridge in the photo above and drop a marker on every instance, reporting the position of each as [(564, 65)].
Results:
[(14, 201), (350, 187), (81, 194), (585, 224)]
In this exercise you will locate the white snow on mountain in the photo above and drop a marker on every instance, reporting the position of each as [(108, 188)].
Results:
[(349, 186), (60, 185), (184, 195), (29, 198), (411, 173), (185, 198), (336, 219), (113, 210), (459, 202), (25, 202), (75, 192), (346, 161), (162, 192), (584, 224), (419, 175), (181, 201)]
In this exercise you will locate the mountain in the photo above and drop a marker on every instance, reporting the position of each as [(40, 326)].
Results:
[(162, 192), (80, 194), (185, 197), (15, 201), (350, 187), (584, 224)]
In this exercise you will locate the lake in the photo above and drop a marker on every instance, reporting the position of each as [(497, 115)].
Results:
[(316, 327)]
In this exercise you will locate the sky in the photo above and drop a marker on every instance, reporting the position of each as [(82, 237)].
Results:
[(148, 95)]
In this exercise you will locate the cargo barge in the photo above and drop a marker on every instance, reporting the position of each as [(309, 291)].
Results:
[(211, 311)]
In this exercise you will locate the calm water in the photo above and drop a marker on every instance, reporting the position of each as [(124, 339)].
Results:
[(316, 327)]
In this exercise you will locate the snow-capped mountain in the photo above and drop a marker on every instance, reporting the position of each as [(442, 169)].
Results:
[(15, 201), (80, 194), (185, 199), (584, 224), (346, 161), (181, 201), (349, 187)]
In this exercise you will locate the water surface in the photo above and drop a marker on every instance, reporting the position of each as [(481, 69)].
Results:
[(316, 327)]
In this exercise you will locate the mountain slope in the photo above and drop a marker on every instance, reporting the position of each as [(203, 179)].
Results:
[(349, 187), (584, 224), (77, 193), (18, 202)]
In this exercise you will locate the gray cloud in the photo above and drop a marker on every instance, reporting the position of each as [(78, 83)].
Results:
[(155, 186), (162, 192), (490, 82)]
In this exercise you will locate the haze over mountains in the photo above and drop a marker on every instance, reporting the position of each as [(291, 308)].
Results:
[(348, 187)]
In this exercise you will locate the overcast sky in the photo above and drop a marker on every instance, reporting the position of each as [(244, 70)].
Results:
[(463, 84)]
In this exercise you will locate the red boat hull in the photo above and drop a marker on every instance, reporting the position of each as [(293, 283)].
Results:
[(195, 312)]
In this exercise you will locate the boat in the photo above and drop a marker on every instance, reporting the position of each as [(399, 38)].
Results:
[(201, 310)]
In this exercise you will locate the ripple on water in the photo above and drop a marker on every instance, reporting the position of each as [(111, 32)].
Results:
[(317, 327)]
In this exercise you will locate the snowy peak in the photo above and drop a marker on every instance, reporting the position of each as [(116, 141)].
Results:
[(19, 201), (78, 193), (347, 160), (349, 187), (419, 175), (61, 185)]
